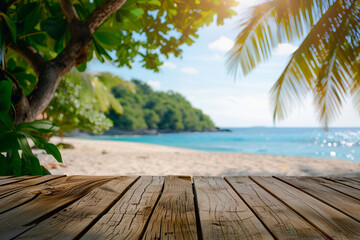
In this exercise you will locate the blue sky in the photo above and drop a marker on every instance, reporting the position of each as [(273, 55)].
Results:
[(201, 76)]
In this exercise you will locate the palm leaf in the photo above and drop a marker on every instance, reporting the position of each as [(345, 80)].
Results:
[(326, 63)]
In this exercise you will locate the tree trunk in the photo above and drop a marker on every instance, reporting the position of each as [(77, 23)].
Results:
[(50, 73)]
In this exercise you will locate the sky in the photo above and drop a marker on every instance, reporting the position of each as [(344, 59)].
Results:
[(202, 77)]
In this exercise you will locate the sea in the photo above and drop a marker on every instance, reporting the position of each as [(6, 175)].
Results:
[(340, 143)]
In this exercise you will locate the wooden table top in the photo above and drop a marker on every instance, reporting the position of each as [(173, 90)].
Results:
[(179, 207)]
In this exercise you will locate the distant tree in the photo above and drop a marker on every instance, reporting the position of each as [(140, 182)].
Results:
[(327, 63), (41, 41), (81, 101), (145, 108)]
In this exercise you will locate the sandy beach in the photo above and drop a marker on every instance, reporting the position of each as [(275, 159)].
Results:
[(92, 157)]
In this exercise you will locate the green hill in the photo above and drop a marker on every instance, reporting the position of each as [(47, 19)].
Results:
[(145, 108)]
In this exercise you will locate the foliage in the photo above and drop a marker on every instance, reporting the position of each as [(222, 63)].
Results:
[(145, 108), (47, 38), (13, 139), (81, 101), (327, 63)]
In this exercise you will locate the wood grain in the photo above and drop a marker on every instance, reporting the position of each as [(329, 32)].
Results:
[(70, 222), (174, 215), (346, 181), (4, 177), (313, 186), (223, 214), (6, 180), (279, 219), (350, 191), (9, 189), (328, 220), (128, 217), (45, 200), (357, 179)]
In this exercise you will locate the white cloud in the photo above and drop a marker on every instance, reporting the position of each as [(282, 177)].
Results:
[(217, 57), (154, 84), (189, 70), (169, 65), (223, 44), (284, 49)]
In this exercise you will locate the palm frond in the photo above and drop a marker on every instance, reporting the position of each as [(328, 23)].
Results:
[(326, 63), (268, 24)]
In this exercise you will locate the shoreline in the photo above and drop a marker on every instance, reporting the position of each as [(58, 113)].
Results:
[(120, 132), (105, 157)]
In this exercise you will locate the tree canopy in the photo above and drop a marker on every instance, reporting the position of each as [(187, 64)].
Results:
[(148, 109), (327, 62), (40, 41), (81, 101)]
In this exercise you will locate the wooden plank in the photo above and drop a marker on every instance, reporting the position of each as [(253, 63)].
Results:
[(313, 186), (174, 215), (15, 179), (21, 197), (4, 177), (346, 181), (8, 189), (279, 219), (357, 179), (70, 222), (46, 199), (222, 213), (326, 219), (128, 217), (350, 191)]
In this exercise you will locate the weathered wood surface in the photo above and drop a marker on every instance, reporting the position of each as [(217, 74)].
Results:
[(35, 203), (314, 187), (74, 219), (174, 215), (8, 189), (6, 180), (280, 220), (128, 217), (223, 213), (175, 207), (329, 221), (351, 182)]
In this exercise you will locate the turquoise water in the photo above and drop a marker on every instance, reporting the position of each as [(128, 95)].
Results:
[(340, 143)]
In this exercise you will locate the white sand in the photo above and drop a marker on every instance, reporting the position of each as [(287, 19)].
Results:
[(92, 157)]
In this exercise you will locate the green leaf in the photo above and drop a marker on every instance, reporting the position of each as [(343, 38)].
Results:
[(54, 151), (25, 9), (26, 81), (16, 162), (4, 166), (107, 37), (11, 26), (55, 27), (24, 145), (2, 46), (8, 142), (5, 95), (32, 166), (115, 105), (98, 2), (6, 123), (137, 11), (32, 19), (45, 171), (42, 144), (40, 126), (82, 67)]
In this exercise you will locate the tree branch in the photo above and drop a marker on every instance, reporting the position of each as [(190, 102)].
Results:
[(30, 55), (101, 13), (69, 11), (50, 72)]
